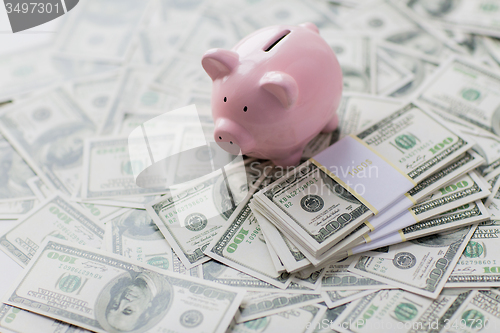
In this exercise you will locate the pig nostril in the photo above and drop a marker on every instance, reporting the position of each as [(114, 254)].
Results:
[(220, 137), (231, 142)]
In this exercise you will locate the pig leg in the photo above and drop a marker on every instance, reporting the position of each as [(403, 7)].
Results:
[(292, 159), (331, 125)]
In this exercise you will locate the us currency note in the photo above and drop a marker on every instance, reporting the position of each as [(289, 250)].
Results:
[(124, 98), (338, 278), (467, 90), (14, 174), (95, 94), (134, 235), (263, 304), (48, 132), (478, 266), (357, 111), (479, 311), (493, 47), (334, 298), (241, 245), (419, 66), (391, 76), (55, 217), (190, 218), (395, 24), (104, 292), (357, 58), (118, 178), (459, 192), (15, 320), (468, 214), (421, 266), (14, 209), (90, 33), (220, 273), (291, 257), (289, 12), (462, 164), (396, 310), (300, 320), (479, 17)]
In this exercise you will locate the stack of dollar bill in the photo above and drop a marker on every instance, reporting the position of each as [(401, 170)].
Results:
[(251, 246)]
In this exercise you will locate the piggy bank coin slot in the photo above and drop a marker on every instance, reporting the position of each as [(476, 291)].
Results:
[(273, 44)]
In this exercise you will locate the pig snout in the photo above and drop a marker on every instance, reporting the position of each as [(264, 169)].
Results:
[(232, 137)]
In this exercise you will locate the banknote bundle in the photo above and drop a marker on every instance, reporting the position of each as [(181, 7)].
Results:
[(390, 223)]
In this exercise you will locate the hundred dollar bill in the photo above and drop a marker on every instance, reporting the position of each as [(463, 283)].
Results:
[(117, 179), (14, 174), (421, 266), (334, 298), (479, 311), (95, 94), (263, 304), (290, 256), (395, 311), (487, 143), (220, 273), (300, 320), (420, 67), (48, 132), (411, 139), (15, 320), (492, 45), (39, 188), (459, 192), (103, 292), (462, 164), (357, 58), (134, 235), (91, 34), (399, 26), (357, 111), (241, 245), (467, 90), (391, 76), (468, 214), (338, 278), (15, 209), (478, 266), (474, 16), (190, 217), (56, 217)]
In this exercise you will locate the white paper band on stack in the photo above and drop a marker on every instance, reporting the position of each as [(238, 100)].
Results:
[(371, 178)]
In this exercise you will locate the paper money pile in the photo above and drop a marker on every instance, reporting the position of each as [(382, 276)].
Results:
[(253, 247)]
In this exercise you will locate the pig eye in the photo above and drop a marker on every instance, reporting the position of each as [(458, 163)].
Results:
[(225, 99), (245, 109)]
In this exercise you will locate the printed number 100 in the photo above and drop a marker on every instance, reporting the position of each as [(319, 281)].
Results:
[(31, 7)]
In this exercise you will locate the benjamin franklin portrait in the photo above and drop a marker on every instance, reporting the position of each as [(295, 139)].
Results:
[(134, 302)]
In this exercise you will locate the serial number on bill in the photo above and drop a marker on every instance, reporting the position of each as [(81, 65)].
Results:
[(32, 7)]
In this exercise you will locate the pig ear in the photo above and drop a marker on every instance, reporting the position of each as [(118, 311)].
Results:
[(310, 26), (282, 86), (219, 62)]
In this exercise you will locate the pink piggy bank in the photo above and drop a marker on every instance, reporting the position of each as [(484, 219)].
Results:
[(274, 91)]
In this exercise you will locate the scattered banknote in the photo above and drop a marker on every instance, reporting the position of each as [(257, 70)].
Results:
[(55, 217), (102, 292), (421, 266), (477, 267), (261, 304), (303, 320)]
